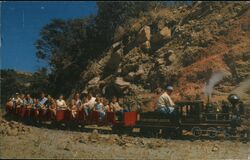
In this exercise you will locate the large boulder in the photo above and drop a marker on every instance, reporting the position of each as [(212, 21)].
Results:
[(172, 58), (130, 76), (94, 81), (121, 83), (113, 63), (144, 34), (126, 68), (119, 33), (165, 33), (136, 26), (162, 35)]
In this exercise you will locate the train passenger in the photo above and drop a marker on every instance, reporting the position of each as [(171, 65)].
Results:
[(12, 98), (89, 105), (115, 107), (43, 104), (51, 105), (15, 99), (83, 106), (20, 100), (75, 104), (99, 108), (78, 101), (165, 104), (11, 101), (36, 103), (43, 100), (28, 101), (61, 104), (106, 105)]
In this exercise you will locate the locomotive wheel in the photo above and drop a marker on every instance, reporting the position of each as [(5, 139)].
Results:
[(196, 131), (212, 132), (154, 133)]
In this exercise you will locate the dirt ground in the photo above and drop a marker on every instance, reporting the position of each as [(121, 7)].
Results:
[(18, 140)]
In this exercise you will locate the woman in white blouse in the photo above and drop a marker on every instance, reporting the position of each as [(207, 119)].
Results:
[(61, 104)]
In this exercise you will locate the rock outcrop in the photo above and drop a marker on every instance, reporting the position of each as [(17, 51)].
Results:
[(179, 46)]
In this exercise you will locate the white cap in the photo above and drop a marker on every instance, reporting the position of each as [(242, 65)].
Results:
[(170, 88)]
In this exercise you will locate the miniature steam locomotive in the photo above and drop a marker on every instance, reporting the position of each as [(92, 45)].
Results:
[(200, 119), (193, 117)]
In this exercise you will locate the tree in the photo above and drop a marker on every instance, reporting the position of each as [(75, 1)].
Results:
[(39, 83), (8, 84), (68, 46), (13, 82)]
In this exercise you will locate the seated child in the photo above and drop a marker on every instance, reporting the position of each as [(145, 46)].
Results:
[(106, 105), (99, 108)]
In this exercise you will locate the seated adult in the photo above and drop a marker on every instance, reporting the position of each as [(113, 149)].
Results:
[(99, 108), (14, 100), (51, 105), (43, 101), (75, 104), (28, 101), (61, 104), (78, 101), (9, 104), (43, 104), (36, 103), (90, 103), (165, 104), (115, 107), (20, 100)]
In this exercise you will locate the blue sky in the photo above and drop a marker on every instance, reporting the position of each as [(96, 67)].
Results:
[(21, 23)]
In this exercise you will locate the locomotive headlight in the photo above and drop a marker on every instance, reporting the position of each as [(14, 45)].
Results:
[(218, 109)]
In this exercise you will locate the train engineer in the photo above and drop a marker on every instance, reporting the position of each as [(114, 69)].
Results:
[(165, 104)]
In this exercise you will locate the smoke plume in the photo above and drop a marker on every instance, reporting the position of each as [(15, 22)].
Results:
[(216, 77)]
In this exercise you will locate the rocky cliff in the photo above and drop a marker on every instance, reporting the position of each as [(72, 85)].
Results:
[(180, 46)]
